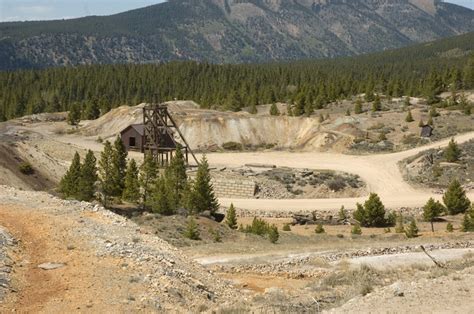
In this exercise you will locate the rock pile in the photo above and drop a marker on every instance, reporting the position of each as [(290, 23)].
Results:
[(6, 243)]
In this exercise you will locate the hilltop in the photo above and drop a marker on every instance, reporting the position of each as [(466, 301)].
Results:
[(230, 31)]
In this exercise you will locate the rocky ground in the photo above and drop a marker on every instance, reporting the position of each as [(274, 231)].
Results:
[(98, 261), (289, 183), (430, 169), (6, 245)]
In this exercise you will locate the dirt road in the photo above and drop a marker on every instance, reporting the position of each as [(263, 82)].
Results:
[(380, 172)]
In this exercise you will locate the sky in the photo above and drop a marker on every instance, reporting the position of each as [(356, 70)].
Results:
[(22, 10)]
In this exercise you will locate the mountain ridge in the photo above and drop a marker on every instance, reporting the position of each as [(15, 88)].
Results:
[(231, 31)]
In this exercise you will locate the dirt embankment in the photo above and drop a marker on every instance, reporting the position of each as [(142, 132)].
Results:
[(106, 263), (209, 129)]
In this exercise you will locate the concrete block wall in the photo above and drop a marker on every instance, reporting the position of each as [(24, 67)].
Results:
[(234, 188)]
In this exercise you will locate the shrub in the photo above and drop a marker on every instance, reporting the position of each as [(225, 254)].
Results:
[(273, 234), (336, 184), (286, 227), (340, 236), (356, 230), (216, 235), (399, 228), (449, 227), (412, 229), (192, 230), (234, 146), (26, 168), (409, 117), (319, 229)]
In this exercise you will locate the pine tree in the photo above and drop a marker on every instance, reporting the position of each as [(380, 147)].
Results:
[(431, 211), (452, 153), (92, 111), (360, 214), (412, 229), (88, 178), (192, 229), (106, 169), (231, 218), (273, 234), (74, 115), (377, 105), (468, 221), (274, 110), (348, 113), (131, 192), (455, 199), (203, 192), (421, 123), (374, 212), (358, 106), (343, 214), (119, 167), (148, 176), (176, 177), (407, 102), (409, 117), (161, 201), (70, 182), (433, 112)]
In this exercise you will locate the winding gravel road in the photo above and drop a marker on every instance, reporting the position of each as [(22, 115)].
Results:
[(380, 172)]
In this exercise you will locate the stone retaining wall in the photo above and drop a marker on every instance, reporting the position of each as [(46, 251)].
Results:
[(234, 188)]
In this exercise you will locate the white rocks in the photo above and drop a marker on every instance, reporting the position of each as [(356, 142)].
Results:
[(51, 266)]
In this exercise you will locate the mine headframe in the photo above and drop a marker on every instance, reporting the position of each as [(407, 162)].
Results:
[(162, 136)]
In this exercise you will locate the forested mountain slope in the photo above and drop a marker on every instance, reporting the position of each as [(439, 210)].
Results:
[(229, 31), (422, 70)]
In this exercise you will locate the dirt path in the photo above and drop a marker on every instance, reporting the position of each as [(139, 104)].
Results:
[(85, 283), (380, 172)]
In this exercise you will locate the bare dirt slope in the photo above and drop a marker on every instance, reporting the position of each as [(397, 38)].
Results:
[(109, 265)]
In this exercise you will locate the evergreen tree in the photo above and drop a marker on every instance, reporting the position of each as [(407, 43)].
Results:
[(421, 123), (431, 211), (407, 102), (468, 221), (74, 115), (273, 234), (231, 218), (455, 199), (377, 105), (360, 214), (92, 111), (148, 175), (203, 192), (430, 121), (375, 211), (131, 192), (452, 153), (274, 110), (409, 117), (343, 214), (433, 112), (119, 167), (358, 106), (412, 229), (88, 178), (161, 201), (106, 169), (192, 230), (176, 177), (253, 109), (348, 113), (69, 184)]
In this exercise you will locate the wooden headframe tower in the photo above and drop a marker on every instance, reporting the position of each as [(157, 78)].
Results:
[(162, 135)]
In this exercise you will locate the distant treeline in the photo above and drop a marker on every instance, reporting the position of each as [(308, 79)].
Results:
[(423, 70)]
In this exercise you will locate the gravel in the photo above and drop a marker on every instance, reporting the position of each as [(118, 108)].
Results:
[(6, 243)]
